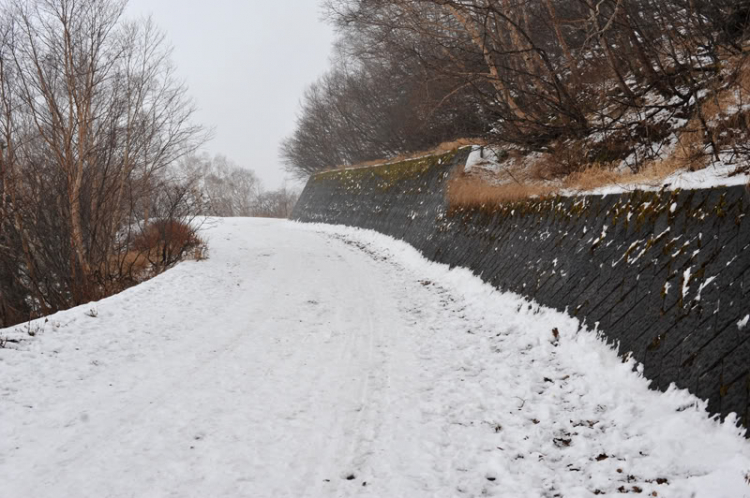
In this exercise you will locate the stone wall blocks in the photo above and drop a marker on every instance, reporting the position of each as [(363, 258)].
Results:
[(543, 249), (709, 389), (737, 363), (565, 287), (610, 299), (652, 369), (714, 351), (734, 398), (744, 283), (670, 369), (629, 320)]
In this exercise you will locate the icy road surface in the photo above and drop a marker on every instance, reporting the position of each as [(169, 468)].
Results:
[(327, 362)]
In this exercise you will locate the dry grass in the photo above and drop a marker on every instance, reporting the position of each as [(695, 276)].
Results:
[(591, 178), (574, 167), (473, 191), (735, 94), (159, 246), (526, 178), (130, 268), (136, 261), (171, 235), (652, 174), (689, 154)]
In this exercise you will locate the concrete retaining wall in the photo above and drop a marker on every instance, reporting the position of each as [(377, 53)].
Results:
[(666, 275)]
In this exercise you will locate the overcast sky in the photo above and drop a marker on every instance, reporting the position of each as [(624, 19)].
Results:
[(247, 63)]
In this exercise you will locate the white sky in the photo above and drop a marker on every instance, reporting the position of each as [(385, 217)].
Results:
[(247, 64)]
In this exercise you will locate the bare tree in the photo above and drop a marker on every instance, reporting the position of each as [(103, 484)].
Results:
[(91, 116), (229, 190), (609, 76), (277, 203), (374, 108)]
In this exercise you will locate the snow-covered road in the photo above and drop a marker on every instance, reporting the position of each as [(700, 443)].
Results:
[(307, 361)]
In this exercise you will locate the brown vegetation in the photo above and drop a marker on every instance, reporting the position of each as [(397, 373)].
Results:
[(531, 178), (542, 175), (720, 123), (159, 246), (473, 191), (584, 83), (165, 242)]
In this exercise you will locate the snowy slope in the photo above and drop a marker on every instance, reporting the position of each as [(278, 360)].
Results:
[(314, 361), (724, 173)]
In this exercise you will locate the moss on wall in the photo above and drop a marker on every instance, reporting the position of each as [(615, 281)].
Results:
[(387, 176)]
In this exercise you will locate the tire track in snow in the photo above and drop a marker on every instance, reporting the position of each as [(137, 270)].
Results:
[(569, 418), (292, 357)]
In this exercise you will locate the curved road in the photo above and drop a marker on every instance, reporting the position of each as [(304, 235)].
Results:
[(324, 362)]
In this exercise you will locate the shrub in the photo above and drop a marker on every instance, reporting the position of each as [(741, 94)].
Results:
[(471, 191), (163, 243)]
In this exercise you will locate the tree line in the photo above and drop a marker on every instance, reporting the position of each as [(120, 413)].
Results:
[(91, 118), (228, 190), (532, 74), (96, 132)]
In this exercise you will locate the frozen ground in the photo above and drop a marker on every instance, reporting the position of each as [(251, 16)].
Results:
[(326, 362)]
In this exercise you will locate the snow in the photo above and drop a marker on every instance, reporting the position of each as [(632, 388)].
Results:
[(705, 284), (743, 323), (482, 158), (723, 173), (320, 361), (716, 175), (476, 159), (686, 281), (601, 237)]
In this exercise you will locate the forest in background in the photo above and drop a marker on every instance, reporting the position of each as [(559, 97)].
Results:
[(580, 82), (102, 183)]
